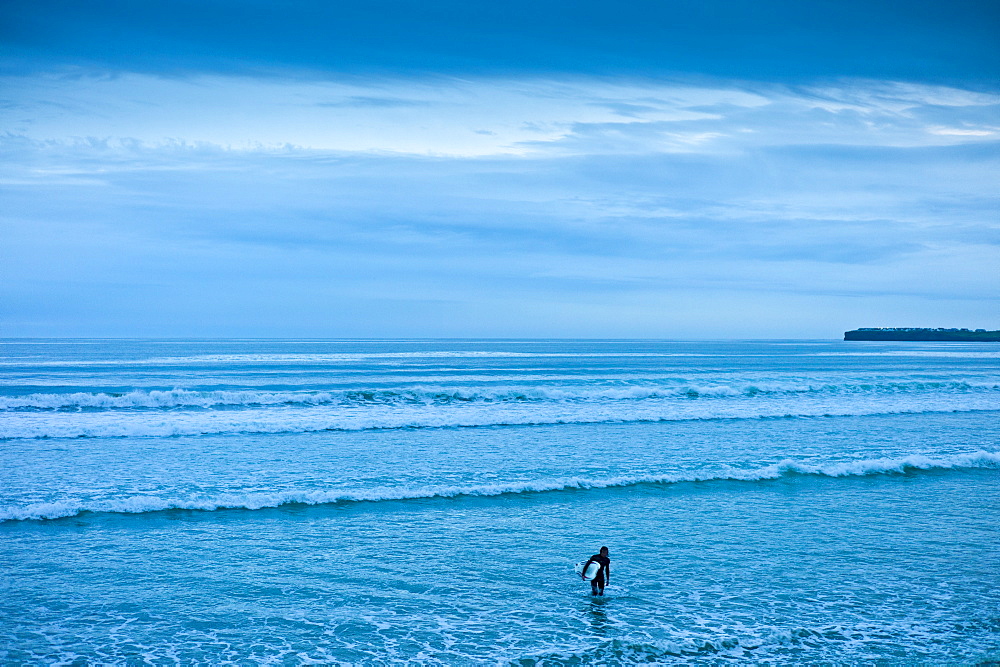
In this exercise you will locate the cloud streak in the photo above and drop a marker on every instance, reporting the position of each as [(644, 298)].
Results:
[(446, 116)]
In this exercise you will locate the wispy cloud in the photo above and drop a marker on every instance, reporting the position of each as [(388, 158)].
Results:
[(494, 201), (467, 117)]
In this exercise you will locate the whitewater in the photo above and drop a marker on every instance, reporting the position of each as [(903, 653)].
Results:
[(424, 501)]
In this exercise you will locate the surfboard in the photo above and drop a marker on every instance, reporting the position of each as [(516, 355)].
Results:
[(591, 572)]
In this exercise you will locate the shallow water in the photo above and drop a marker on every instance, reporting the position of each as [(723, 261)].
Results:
[(265, 501)]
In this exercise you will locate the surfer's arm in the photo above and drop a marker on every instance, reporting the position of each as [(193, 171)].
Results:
[(607, 573), (583, 572)]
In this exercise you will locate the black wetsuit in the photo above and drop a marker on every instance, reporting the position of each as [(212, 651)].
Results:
[(603, 575)]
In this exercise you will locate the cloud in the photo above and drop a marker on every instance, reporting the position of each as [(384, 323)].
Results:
[(376, 102), (480, 117), (489, 205)]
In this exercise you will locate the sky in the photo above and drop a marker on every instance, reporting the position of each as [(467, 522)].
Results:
[(640, 169)]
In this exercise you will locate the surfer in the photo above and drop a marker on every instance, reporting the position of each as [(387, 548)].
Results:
[(603, 576)]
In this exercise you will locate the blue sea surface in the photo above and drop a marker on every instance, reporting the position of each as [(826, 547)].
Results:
[(425, 501)]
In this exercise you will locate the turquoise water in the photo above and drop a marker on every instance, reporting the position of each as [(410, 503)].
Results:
[(425, 501)]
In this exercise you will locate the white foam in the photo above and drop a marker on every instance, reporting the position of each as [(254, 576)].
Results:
[(453, 414), (162, 399), (254, 501), (335, 358), (945, 354), (178, 397)]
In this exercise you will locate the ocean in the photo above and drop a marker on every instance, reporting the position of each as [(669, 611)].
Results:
[(425, 501)]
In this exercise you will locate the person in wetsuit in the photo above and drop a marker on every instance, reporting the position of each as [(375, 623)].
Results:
[(603, 577)]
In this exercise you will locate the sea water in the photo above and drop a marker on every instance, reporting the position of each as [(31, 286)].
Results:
[(266, 502)]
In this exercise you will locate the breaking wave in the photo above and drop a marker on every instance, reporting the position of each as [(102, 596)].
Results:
[(186, 398), (322, 418), (254, 501)]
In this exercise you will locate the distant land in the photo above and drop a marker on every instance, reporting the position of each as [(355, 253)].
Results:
[(911, 333)]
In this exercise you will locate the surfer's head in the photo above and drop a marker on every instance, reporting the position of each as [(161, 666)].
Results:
[(604, 551)]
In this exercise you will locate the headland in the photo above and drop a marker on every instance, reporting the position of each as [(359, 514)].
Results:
[(913, 333)]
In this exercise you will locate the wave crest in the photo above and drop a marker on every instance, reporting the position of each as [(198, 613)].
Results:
[(255, 501), (187, 398)]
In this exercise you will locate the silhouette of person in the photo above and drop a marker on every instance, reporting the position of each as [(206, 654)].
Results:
[(603, 577)]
